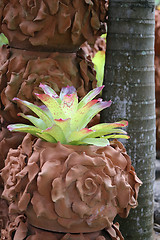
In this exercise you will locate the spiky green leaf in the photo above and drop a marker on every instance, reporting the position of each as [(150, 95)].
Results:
[(24, 128), (99, 62), (94, 141), (36, 121), (92, 94), (56, 132), (84, 115), (48, 90), (79, 135), (64, 124), (52, 105), (116, 136), (69, 105), (37, 110)]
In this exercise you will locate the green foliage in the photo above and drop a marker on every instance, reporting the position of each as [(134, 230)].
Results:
[(99, 62), (3, 40), (63, 119), (157, 2)]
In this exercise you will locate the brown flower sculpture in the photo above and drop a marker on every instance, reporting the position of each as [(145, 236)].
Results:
[(67, 188), (58, 24)]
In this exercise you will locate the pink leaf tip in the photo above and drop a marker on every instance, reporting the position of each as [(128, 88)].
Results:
[(10, 128)]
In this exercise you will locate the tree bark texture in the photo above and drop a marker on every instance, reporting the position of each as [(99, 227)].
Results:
[(129, 83)]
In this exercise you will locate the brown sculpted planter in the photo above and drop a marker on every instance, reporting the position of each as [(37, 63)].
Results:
[(65, 188), (52, 25), (21, 230)]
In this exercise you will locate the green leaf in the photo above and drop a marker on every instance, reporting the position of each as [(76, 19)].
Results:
[(79, 135), (46, 137), (24, 128), (37, 110), (104, 36), (104, 132), (48, 90), (52, 105), (36, 121), (64, 124), (100, 126), (94, 141), (69, 105), (3, 40), (56, 132), (99, 62), (117, 136), (83, 116), (157, 2), (92, 94)]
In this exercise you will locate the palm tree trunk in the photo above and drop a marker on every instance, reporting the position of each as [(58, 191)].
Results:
[(129, 83)]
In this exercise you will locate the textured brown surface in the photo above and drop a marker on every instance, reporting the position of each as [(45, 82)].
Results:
[(3, 212), (8, 140), (21, 230), (47, 25), (83, 187), (22, 72), (100, 45)]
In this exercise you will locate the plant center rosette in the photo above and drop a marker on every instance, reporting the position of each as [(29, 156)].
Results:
[(71, 179)]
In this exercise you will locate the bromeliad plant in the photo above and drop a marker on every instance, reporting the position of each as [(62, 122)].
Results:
[(63, 119)]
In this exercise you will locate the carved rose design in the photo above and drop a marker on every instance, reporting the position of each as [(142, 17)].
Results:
[(21, 75), (52, 24), (83, 187)]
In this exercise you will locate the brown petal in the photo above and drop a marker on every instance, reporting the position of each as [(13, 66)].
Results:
[(27, 145), (49, 171), (95, 23), (13, 86), (76, 29), (43, 207), (21, 231), (30, 28), (33, 170), (53, 6), (63, 208), (74, 173), (64, 19), (81, 209), (124, 190), (75, 158), (42, 13), (58, 190), (23, 202)]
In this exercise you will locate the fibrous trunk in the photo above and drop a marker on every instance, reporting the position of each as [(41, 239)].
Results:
[(129, 83)]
